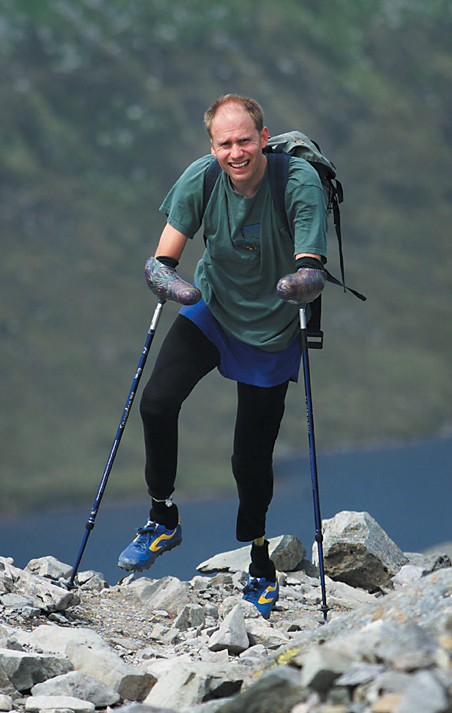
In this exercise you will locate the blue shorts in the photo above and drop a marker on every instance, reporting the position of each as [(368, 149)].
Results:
[(244, 362)]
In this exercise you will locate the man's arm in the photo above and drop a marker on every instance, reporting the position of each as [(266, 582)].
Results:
[(162, 277), (307, 255), (171, 243), (306, 284)]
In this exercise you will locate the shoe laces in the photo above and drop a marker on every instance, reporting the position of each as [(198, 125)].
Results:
[(144, 534), (252, 586)]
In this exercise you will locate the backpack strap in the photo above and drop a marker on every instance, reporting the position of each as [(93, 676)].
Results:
[(210, 178), (278, 175)]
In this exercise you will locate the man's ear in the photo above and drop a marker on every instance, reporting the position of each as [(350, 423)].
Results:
[(264, 137), (212, 150)]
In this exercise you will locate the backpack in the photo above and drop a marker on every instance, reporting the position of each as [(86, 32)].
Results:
[(278, 151)]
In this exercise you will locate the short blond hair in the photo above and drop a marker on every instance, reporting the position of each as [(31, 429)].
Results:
[(249, 105)]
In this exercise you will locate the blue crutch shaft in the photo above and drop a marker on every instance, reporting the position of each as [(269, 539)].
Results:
[(119, 433)]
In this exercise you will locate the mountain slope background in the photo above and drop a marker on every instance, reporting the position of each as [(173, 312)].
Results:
[(102, 106)]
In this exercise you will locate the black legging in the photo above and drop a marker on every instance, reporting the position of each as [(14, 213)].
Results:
[(185, 357)]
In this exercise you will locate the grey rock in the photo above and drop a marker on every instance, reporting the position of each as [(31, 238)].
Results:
[(89, 579), (5, 630), (230, 602), (142, 708), (191, 683), (168, 593), (57, 617), (41, 593), (358, 673), (426, 603), (34, 704), (102, 663), (125, 642), (286, 552), (55, 639), (424, 694), (408, 574), (322, 666), (232, 634), (49, 567), (160, 667), (216, 656), (209, 707), (406, 646), (253, 655), (444, 548), (343, 595), (357, 551), (262, 633), (25, 669), (191, 615), (15, 601), (12, 643), (199, 583), (368, 657), (6, 687), (6, 702), (78, 685), (221, 579), (278, 690), (386, 683), (430, 562)]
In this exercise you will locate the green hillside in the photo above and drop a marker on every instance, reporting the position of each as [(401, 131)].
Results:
[(101, 109)]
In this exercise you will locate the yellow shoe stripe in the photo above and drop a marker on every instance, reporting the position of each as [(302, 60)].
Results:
[(263, 599), (158, 543)]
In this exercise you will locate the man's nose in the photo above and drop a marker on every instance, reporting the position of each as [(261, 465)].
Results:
[(236, 150)]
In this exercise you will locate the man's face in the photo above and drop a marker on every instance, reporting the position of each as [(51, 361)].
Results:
[(237, 145)]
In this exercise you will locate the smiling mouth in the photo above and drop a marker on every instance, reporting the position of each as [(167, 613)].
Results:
[(239, 165)]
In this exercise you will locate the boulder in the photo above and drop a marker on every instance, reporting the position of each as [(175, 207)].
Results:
[(276, 691), (39, 591), (286, 552), (25, 669), (49, 567), (424, 694), (55, 639), (102, 663), (322, 666), (261, 632), (6, 702), (35, 704), (168, 593), (192, 615), (78, 685), (196, 682), (358, 551), (232, 634)]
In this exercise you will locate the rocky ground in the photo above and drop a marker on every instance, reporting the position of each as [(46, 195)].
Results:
[(165, 646)]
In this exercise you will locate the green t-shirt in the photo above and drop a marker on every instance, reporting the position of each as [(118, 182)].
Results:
[(247, 250)]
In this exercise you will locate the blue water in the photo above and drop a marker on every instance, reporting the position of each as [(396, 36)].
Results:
[(408, 490)]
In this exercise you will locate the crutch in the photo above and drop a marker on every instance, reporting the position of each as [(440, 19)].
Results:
[(312, 456), (119, 433)]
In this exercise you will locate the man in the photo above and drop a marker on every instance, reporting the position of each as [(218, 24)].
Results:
[(240, 326)]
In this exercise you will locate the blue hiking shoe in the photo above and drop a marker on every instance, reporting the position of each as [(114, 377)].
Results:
[(262, 594), (151, 541)]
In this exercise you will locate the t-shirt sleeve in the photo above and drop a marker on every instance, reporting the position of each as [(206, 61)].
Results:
[(306, 209), (184, 203)]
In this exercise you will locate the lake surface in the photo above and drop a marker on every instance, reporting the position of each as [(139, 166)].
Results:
[(408, 490)]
